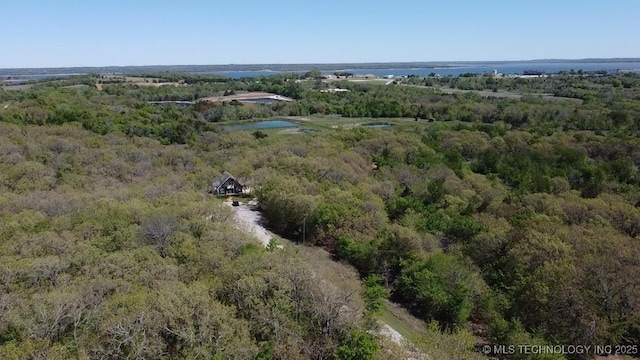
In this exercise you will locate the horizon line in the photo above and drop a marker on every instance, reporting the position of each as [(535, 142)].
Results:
[(612, 59)]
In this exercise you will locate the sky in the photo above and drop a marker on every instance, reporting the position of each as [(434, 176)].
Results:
[(70, 33)]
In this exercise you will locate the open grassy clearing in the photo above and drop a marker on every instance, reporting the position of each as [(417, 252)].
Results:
[(17, 87), (497, 94), (398, 318), (367, 81), (316, 124)]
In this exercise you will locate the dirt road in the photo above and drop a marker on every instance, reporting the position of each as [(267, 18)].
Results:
[(249, 220), (391, 333)]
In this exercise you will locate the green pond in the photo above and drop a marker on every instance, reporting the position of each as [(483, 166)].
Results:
[(376, 126), (267, 124)]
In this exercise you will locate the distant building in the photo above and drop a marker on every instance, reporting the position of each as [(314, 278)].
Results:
[(227, 185), (178, 103), (251, 97), (334, 90), (534, 73)]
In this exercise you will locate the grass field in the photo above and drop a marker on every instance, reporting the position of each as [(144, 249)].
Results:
[(497, 94), (317, 124), (406, 324), (17, 87), (339, 122)]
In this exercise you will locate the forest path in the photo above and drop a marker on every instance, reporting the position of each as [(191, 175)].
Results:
[(249, 219)]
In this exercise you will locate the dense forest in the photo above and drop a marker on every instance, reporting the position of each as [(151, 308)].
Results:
[(511, 218)]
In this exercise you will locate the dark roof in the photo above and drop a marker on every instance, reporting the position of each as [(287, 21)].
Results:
[(225, 176)]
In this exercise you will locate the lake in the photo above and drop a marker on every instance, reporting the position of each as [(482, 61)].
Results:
[(379, 69), (267, 124), (376, 126), (458, 69)]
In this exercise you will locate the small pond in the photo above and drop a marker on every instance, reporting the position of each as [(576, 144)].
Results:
[(268, 124), (376, 126)]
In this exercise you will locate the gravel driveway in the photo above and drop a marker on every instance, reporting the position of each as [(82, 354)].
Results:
[(249, 220)]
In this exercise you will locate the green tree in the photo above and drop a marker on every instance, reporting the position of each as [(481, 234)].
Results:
[(358, 346), (437, 288), (374, 294)]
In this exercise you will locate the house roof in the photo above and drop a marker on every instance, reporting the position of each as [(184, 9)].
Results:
[(248, 97), (225, 176)]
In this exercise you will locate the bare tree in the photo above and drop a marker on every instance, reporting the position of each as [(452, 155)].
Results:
[(158, 230)]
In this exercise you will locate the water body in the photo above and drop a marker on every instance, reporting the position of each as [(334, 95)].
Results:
[(268, 124), (378, 69), (459, 69), (20, 78), (376, 126)]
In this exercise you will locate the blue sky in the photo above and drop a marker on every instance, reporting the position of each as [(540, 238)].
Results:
[(48, 33)]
